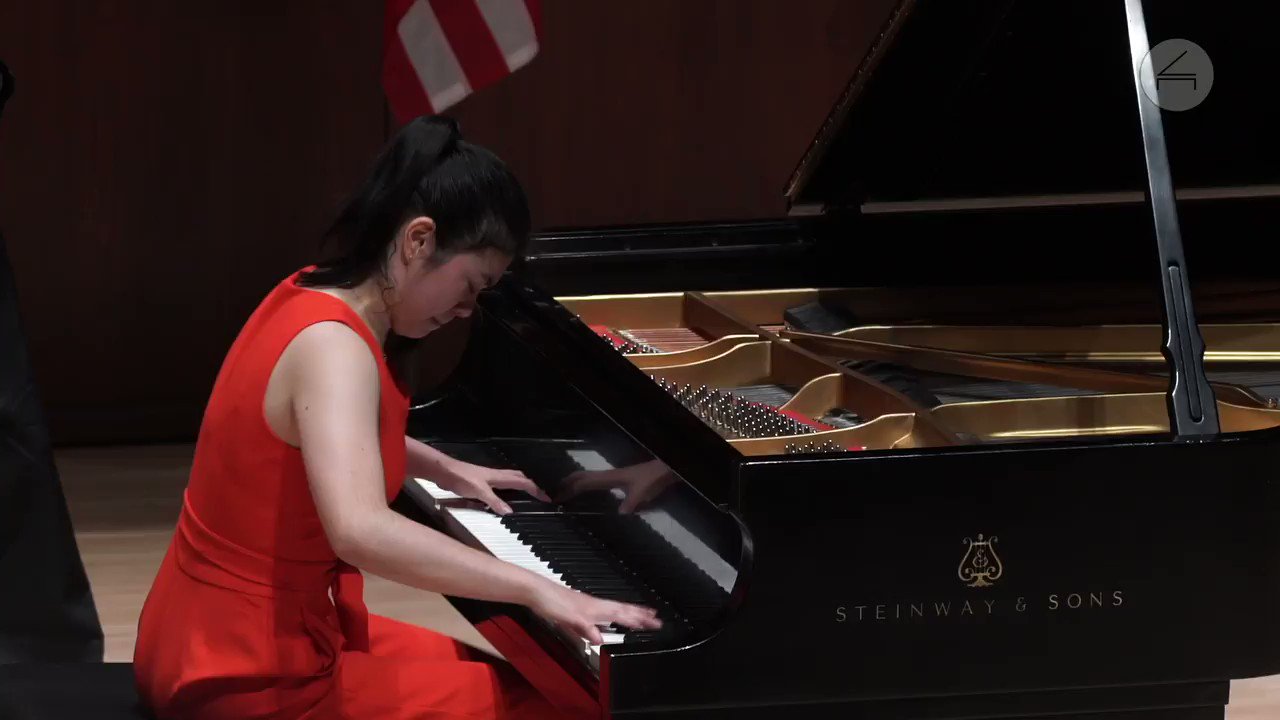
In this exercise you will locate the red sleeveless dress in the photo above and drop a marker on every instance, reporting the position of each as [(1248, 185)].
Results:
[(252, 615)]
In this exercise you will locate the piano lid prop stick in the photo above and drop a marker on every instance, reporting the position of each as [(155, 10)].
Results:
[(1193, 409)]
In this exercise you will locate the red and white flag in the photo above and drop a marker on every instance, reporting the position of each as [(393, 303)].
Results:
[(440, 51)]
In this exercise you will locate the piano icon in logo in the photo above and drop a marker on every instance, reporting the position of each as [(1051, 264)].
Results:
[(1176, 75), (1164, 75), (981, 567)]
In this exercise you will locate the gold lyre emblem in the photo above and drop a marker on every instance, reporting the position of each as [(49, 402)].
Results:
[(981, 566)]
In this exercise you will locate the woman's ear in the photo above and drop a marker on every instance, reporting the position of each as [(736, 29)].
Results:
[(419, 239)]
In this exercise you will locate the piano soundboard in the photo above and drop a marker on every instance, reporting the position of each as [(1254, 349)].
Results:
[(962, 376)]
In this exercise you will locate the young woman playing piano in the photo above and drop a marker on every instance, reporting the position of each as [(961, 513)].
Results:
[(256, 611)]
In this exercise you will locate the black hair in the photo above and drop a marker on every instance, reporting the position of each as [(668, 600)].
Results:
[(426, 169)]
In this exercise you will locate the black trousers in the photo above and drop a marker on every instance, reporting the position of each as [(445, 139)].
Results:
[(46, 607)]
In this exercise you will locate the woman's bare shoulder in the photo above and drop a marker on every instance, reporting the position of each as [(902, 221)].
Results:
[(328, 354), (326, 367)]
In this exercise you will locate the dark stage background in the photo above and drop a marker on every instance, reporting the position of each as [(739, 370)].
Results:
[(163, 164)]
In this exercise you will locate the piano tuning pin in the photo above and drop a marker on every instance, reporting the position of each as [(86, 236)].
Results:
[(813, 447)]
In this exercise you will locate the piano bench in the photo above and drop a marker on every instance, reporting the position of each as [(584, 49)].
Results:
[(69, 691)]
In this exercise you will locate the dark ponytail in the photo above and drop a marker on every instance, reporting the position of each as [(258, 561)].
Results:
[(426, 169)]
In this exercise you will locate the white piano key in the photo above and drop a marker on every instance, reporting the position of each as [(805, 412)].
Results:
[(593, 651), (590, 460), (436, 492), (503, 543)]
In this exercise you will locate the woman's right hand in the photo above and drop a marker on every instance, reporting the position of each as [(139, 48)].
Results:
[(580, 613)]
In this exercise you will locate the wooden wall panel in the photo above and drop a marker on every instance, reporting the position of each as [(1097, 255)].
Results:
[(162, 163), (665, 110)]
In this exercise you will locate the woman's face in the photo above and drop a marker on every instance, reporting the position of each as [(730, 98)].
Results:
[(431, 291)]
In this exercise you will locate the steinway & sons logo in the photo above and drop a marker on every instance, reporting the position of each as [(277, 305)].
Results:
[(980, 568)]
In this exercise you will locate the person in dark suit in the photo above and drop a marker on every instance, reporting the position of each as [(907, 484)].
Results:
[(46, 609)]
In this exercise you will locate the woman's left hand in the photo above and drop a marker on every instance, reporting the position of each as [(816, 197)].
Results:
[(479, 483)]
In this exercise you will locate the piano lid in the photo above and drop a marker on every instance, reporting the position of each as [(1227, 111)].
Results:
[(999, 103)]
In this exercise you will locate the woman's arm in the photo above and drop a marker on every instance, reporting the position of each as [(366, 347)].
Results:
[(425, 461), (333, 390)]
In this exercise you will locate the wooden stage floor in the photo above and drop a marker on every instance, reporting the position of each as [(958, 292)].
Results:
[(124, 501)]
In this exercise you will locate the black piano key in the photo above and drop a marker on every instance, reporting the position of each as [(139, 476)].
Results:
[(595, 580), (522, 502), (564, 550), (623, 596), (578, 557), (598, 581), (584, 566), (594, 573)]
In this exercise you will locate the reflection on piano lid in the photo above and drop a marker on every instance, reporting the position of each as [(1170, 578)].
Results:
[(995, 473)]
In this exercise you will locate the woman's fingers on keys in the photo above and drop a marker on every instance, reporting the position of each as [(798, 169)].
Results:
[(516, 480), (519, 483), (590, 632), (636, 617)]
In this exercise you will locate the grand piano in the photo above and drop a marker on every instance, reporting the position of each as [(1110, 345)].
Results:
[(949, 440)]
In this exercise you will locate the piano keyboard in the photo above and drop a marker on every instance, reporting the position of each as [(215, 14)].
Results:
[(549, 545)]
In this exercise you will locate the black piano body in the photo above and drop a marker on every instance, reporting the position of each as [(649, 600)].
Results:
[(932, 571)]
